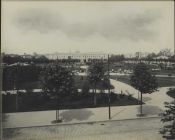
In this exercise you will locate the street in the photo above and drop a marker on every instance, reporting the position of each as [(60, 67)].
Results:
[(136, 129)]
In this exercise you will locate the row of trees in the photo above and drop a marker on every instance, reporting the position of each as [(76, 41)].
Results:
[(149, 57), (59, 80), (8, 59), (20, 75)]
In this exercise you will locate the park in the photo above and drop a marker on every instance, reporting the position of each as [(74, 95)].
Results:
[(95, 91), (87, 70)]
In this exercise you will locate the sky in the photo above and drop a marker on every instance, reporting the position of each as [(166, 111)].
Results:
[(89, 26)]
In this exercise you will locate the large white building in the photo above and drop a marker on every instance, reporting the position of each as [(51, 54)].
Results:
[(80, 56)]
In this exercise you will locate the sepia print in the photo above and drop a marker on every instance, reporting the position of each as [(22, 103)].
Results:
[(88, 70)]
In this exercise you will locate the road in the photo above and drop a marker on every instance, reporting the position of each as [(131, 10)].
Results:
[(136, 129)]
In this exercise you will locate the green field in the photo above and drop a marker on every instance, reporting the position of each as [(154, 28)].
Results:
[(81, 81), (37, 102), (171, 93), (164, 72)]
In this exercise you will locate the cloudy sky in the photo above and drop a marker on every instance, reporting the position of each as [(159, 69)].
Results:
[(110, 27)]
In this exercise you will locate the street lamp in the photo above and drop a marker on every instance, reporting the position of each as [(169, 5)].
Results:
[(109, 93)]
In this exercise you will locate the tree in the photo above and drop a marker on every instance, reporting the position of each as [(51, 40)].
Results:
[(57, 80), (151, 56), (85, 88), (168, 118), (143, 80), (172, 58), (11, 81), (117, 58), (165, 52), (96, 74), (10, 59)]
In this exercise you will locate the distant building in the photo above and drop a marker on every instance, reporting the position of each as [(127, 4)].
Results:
[(80, 56), (26, 56), (141, 54)]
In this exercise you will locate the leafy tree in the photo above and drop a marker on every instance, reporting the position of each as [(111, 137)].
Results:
[(40, 59), (85, 88), (11, 81), (116, 58), (11, 59), (172, 58), (96, 74), (143, 80), (165, 52), (168, 118), (57, 81), (23, 74), (151, 56)]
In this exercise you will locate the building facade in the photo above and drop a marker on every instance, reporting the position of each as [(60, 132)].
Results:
[(80, 56)]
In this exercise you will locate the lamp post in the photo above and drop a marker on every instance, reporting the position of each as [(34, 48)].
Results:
[(15, 88), (109, 93)]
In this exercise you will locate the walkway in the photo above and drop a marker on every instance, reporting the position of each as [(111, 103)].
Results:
[(156, 98), (71, 116)]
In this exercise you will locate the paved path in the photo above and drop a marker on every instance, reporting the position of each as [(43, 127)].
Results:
[(39, 118), (156, 98), (120, 86), (137, 129)]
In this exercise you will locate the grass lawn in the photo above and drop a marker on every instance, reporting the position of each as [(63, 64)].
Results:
[(123, 78), (171, 93), (79, 82), (164, 72), (162, 81), (36, 102)]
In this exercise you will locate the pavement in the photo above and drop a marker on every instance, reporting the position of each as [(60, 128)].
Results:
[(154, 104), (73, 116), (137, 129)]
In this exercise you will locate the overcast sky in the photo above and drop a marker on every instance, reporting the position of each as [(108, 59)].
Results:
[(110, 27)]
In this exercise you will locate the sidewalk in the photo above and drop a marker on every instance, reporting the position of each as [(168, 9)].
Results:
[(42, 118)]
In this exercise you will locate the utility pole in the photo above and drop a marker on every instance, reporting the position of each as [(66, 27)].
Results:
[(16, 86), (109, 93)]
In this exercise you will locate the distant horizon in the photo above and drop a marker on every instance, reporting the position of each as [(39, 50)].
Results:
[(78, 52)]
